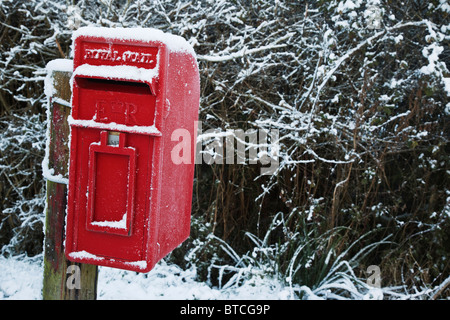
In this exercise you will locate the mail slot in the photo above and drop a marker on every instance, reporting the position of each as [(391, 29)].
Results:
[(129, 204)]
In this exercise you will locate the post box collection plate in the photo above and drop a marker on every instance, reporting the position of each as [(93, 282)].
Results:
[(129, 204)]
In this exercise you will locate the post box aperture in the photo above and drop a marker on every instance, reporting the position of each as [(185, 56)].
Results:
[(129, 205), (112, 101)]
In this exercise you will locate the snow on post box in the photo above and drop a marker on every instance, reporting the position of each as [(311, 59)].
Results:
[(129, 204)]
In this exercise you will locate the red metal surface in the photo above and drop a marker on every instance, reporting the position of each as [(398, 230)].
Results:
[(129, 205)]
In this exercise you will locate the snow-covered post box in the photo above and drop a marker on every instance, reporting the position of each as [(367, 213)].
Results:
[(129, 204)]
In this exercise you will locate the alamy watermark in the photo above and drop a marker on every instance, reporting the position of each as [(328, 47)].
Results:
[(228, 147), (374, 276), (74, 279)]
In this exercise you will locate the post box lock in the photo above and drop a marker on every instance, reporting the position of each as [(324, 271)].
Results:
[(129, 204), (113, 138)]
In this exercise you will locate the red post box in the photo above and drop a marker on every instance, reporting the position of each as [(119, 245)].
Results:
[(129, 204)]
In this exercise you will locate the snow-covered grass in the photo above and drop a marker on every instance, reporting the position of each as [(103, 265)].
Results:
[(21, 278)]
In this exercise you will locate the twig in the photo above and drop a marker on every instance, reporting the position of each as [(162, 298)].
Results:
[(441, 288)]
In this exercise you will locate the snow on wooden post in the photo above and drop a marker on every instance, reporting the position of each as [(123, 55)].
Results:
[(63, 280)]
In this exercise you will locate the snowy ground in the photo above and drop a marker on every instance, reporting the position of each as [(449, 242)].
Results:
[(22, 279)]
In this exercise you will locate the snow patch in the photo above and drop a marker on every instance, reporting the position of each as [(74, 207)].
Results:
[(84, 255), (121, 224), (348, 5), (433, 58), (63, 65), (444, 6), (150, 130), (117, 72), (142, 264)]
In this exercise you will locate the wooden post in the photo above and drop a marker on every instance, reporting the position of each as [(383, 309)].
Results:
[(63, 280)]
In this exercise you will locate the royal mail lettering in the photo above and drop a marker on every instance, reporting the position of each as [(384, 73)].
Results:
[(109, 55), (143, 57)]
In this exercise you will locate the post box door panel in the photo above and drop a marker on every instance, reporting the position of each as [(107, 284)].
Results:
[(111, 194), (112, 169)]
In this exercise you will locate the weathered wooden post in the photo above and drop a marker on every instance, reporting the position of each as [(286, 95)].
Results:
[(63, 280)]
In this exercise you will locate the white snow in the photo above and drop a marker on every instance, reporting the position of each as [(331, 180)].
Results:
[(121, 224), (347, 5), (117, 72), (84, 255), (21, 278), (49, 174), (444, 6), (142, 264), (64, 65), (151, 130), (174, 43), (435, 66), (432, 56), (446, 81)]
